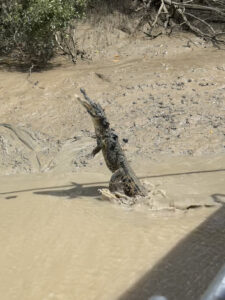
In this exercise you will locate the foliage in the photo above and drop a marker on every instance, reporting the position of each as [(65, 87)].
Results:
[(30, 30), (28, 27)]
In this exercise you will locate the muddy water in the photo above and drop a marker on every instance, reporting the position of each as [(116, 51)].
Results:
[(60, 241)]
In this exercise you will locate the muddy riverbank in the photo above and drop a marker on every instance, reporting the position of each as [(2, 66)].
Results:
[(162, 98)]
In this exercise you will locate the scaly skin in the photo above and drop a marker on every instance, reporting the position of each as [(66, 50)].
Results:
[(123, 177)]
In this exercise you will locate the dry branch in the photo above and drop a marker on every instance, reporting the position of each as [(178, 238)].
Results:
[(67, 43), (192, 14)]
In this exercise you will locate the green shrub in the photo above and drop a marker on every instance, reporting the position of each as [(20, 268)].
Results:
[(28, 27)]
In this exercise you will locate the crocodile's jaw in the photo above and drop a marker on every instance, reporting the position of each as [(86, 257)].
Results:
[(88, 106), (96, 119)]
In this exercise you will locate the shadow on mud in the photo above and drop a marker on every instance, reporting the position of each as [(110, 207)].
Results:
[(106, 183), (183, 173), (188, 269), (78, 190), (10, 65)]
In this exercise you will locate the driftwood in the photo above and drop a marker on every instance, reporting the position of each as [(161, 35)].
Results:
[(200, 17)]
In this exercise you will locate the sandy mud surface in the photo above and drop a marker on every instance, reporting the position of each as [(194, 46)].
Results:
[(162, 98), (59, 240)]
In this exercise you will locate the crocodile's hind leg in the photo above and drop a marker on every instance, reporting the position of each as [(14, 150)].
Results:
[(116, 184), (125, 184)]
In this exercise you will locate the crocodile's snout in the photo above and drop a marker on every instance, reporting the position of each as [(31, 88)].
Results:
[(87, 105), (95, 110)]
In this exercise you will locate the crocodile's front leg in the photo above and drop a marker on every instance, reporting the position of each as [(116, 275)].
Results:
[(98, 147)]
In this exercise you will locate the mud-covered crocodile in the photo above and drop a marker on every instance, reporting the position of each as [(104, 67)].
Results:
[(123, 178)]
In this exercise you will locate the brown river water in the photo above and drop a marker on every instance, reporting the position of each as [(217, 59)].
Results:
[(59, 240)]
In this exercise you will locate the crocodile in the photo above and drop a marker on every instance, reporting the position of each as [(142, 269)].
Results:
[(123, 178)]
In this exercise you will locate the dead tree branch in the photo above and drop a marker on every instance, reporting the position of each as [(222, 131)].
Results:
[(194, 15)]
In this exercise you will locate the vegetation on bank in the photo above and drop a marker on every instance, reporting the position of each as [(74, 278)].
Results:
[(32, 30), (29, 27)]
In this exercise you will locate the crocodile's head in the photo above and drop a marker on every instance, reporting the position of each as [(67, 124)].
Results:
[(95, 110)]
